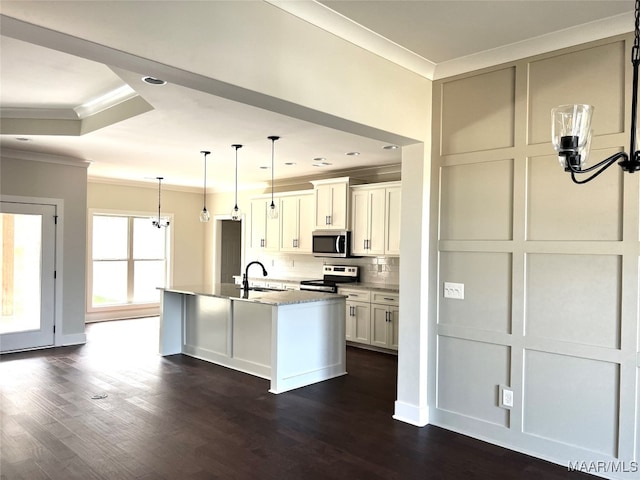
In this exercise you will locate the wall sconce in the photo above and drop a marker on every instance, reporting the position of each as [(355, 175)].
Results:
[(571, 129)]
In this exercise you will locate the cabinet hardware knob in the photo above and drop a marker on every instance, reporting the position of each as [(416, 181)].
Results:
[(391, 299)]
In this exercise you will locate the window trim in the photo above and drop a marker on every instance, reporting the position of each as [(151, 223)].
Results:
[(92, 311)]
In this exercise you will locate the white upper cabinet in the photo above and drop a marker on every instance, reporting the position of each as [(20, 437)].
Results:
[(392, 217), (265, 232), (296, 223), (375, 219), (331, 203)]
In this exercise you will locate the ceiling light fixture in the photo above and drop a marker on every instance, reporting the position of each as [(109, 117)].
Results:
[(159, 222), (204, 214), (153, 81), (352, 154), (236, 214), (571, 128), (272, 212), (390, 147)]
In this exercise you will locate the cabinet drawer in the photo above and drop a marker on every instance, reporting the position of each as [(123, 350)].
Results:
[(385, 298), (356, 294)]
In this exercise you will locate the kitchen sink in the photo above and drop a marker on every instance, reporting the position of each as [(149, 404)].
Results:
[(264, 289)]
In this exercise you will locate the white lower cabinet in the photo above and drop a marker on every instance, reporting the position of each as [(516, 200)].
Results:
[(358, 326), (372, 317)]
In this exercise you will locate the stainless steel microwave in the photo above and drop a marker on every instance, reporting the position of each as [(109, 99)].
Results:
[(331, 243)]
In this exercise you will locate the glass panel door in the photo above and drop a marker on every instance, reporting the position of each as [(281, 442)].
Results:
[(27, 275)]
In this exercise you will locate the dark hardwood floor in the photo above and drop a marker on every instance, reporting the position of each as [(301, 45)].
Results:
[(181, 418)]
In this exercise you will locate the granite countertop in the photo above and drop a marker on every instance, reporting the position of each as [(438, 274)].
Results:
[(269, 297), (386, 287)]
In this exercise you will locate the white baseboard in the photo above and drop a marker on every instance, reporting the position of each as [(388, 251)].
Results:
[(412, 414)]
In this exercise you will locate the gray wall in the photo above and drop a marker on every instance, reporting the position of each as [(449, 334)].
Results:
[(550, 268), (44, 179)]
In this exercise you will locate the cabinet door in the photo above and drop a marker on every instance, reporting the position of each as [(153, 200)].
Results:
[(362, 322), (272, 230), (392, 217), (339, 205), (350, 322), (289, 224), (359, 221), (380, 325), (258, 224), (324, 203), (305, 223), (331, 206), (377, 214), (394, 327)]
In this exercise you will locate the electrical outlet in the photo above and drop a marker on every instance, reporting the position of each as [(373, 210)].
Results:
[(505, 397), (454, 290)]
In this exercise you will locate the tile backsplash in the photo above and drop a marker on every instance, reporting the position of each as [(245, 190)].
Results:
[(381, 270)]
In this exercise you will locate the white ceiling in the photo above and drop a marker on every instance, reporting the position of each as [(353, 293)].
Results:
[(160, 130)]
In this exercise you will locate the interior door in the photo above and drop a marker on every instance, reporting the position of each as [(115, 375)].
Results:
[(27, 278)]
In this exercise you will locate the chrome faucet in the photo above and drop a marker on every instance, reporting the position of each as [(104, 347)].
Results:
[(245, 277)]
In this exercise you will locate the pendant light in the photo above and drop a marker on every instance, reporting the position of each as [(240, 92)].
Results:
[(204, 214), (272, 211), (236, 213), (571, 129), (159, 222)]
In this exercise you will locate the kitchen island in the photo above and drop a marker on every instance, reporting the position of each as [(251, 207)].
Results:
[(292, 338)]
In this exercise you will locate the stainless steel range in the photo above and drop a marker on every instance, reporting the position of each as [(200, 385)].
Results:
[(332, 275)]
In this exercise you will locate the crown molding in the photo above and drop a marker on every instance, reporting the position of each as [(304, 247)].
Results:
[(331, 21), (43, 157), (585, 33)]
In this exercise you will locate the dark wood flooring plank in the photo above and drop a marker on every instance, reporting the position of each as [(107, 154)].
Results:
[(181, 418)]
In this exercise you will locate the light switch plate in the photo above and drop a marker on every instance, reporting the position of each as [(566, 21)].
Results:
[(454, 290), (505, 397)]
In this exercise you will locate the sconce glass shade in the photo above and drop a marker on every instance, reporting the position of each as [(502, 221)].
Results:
[(204, 215), (571, 134)]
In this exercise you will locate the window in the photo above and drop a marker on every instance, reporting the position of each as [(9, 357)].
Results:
[(128, 261)]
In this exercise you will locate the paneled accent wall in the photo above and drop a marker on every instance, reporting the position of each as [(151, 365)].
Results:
[(550, 269)]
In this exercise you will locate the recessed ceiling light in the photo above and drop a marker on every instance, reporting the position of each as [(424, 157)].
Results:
[(263, 167), (352, 154), (289, 163), (319, 159), (390, 147), (23, 139), (321, 164), (153, 81)]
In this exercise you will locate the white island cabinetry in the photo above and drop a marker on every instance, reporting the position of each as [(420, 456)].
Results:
[(292, 338)]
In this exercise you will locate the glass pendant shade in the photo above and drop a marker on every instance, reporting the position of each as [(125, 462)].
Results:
[(204, 214), (571, 133), (272, 211), (236, 214)]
